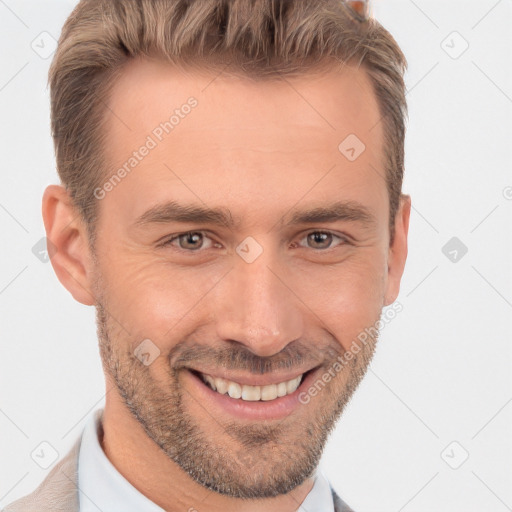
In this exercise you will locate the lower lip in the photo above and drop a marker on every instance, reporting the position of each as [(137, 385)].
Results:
[(258, 410)]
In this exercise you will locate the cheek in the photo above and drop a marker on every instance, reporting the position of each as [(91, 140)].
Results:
[(348, 298), (151, 298)]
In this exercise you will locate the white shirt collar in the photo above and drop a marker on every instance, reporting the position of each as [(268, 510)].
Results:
[(319, 499), (103, 488)]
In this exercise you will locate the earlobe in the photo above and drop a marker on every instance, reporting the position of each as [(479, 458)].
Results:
[(70, 257), (398, 250)]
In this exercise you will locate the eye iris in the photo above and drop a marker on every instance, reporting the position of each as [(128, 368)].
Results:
[(193, 239), (321, 238)]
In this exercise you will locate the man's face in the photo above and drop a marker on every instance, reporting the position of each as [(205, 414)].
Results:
[(258, 301)]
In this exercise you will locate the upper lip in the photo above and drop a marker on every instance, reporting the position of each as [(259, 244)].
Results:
[(253, 380)]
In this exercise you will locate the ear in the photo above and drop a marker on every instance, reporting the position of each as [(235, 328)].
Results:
[(398, 250), (67, 237)]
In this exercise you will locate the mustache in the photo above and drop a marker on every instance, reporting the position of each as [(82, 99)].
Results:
[(297, 354)]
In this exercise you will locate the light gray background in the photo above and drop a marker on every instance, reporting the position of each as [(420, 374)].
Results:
[(442, 373)]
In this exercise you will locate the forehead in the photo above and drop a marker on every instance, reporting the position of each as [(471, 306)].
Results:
[(151, 88), (271, 140)]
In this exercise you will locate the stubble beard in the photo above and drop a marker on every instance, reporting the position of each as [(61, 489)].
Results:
[(240, 461)]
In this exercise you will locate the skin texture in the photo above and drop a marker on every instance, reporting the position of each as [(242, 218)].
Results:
[(264, 150)]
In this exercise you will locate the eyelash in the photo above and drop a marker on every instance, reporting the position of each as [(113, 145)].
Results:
[(167, 243)]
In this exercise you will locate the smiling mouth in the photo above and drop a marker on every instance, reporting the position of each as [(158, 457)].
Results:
[(251, 393)]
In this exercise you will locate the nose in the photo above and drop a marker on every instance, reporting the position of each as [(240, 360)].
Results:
[(255, 306)]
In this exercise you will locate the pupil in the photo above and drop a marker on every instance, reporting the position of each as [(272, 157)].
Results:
[(192, 238), (320, 237)]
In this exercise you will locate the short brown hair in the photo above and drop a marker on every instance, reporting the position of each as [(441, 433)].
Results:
[(262, 38)]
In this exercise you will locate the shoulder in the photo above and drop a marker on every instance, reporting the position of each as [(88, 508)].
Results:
[(57, 492)]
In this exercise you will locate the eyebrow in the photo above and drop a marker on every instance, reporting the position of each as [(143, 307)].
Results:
[(172, 211), (351, 211)]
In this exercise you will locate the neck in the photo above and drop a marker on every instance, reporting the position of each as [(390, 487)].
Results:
[(142, 463)]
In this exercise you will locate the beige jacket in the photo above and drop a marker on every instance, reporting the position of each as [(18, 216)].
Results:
[(59, 493)]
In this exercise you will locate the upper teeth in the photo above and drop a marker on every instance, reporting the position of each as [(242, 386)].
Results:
[(252, 393)]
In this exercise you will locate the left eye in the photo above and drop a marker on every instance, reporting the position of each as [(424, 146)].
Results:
[(324, 239)]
